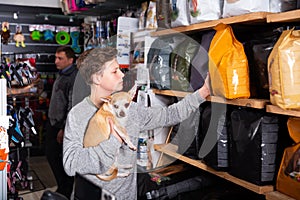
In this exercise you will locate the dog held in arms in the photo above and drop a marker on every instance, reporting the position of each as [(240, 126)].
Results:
[(114, 109)]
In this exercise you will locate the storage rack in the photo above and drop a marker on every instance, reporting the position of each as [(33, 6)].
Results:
[(251, 18)]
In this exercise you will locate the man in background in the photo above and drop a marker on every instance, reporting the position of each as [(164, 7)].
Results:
[(60, 105)]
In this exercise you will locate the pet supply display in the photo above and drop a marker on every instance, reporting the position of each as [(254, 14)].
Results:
[(62, 38), (19, 38), (213, 136), (151, 19), (5, 33), (288, 178), (202, 10), (282, 5), (258, 49), (179, 16), (253, 145), (228, 65), (158, 63), (283, 71), (163, 12), (180, 63), (239, 7), (199, 65), (75, 41)]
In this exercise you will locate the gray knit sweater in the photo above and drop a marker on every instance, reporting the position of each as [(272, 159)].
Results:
[(98, 159)]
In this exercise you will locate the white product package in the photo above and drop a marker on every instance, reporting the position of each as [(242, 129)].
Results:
[(179, 13), (203, 10), (240, 7)]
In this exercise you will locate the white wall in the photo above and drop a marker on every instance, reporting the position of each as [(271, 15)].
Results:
[(39, 3)]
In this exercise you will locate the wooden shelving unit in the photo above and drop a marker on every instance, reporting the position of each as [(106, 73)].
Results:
[(251, 18), (253, 103), (290, 16), (277, 110), (170, 149), (257, 17)]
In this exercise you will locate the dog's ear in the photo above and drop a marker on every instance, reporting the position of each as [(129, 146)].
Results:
[(106, 99), (132, 91)]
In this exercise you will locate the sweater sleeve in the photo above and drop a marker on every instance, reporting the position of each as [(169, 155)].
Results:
[(158, 116), (91, 160)]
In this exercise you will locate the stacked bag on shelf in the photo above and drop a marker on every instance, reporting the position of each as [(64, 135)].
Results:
[(253, 145), (228, 65), (288, 178), (284, 73)]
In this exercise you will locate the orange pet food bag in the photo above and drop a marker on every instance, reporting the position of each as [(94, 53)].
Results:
[(288, 179), (228, 65)]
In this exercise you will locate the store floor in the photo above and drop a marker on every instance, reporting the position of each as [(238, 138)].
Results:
[(42, 178)]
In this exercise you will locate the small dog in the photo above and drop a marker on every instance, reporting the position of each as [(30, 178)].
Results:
[(114, 108)]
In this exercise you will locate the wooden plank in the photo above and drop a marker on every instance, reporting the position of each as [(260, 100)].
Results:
[(277, 110), (253, 103), (289, 16), (172, 93), (275, 195), (250, 17), (170, 150)]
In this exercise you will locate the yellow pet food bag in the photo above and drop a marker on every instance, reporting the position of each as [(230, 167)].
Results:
[(228, 65)]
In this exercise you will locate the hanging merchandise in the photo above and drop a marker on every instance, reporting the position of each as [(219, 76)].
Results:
[(35, 30), (73, 7), (5, 33), (15, 134), (283, 69), (4, 147), (228, 65), (19, 38), (4, 73), (74, 33), (49, 32), (62, 36)]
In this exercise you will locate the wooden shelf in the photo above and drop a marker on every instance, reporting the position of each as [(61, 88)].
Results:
[(172, 93), (256, 17), (275, 195), (251, 17), (289, 16), (278, 110), (170, 149), (253, 103)]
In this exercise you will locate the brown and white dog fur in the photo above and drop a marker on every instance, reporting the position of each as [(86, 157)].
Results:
[(114, 108)]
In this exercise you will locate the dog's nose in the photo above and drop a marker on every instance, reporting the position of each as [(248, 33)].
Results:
[(122, 114)]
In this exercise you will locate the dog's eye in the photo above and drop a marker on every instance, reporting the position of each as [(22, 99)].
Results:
[(116, 106), (126, 105)]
